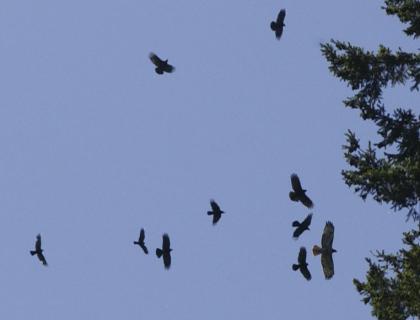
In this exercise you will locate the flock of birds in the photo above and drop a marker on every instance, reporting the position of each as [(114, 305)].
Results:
[(298, 195)]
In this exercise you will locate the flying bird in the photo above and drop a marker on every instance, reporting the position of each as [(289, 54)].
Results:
[(161, 65), (298, 193), (302, 226), (215, 211), (302, 264), (277, 26), (165, 252), (38, 251), (140, 242), (327, 250)]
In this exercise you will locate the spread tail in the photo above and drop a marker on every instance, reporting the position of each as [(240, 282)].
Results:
[(273, 26), (158, 252), (293, 196), (33, 253), (316, 250), (295, 267), (295, 224)]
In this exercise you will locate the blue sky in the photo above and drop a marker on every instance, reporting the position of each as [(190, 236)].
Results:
[(95, 145)]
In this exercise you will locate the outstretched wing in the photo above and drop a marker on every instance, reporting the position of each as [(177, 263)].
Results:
[(281, 16), (327, 265), (307, 221), (305, 272), (155, 59), (169, 68), (306, 201), (38, 243), (42, 258), (327, 236), (142, 236), (166, 244), (214, 206), (167, 260), (302, 256), (297, 187), (144, 248)]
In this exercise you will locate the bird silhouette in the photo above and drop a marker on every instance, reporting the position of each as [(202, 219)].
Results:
[(302, 264), (278, 25), (301, 226), (161, 65), (140, 242), (38, 251), (326, 251), (215, 211), (298, 193), (165, 252)]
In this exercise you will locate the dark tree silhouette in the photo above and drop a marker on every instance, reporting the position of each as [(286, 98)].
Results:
[(389, 169), (327, 250), (278, 25), (392, 284), (216, 211), (161, 65), (301, 226), (38, 251), (302, 264), (140, 242), (165, 252), (298, 193)]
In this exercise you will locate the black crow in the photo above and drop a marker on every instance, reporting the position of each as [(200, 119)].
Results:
[(327, 250), (165, 251), (301, 226), (302, 264), (277, 26), (216, 212), (161, 65), (298, 194), (140, 242), (38, 251)]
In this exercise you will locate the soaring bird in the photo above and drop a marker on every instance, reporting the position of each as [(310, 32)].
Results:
[(301, 226), (38, 251), (327, 250), (215, 211), (299, 194), (277, 26), (140, 242), (161, 65), (302, 264), (165, 251)]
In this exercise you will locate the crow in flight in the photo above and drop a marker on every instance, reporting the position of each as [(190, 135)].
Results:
[(302, 264), (277, 26), (140, 242), (301, 226), (38, 250), (215, 211), (298, 194), (327, 250), (161, 65), (165, 251)]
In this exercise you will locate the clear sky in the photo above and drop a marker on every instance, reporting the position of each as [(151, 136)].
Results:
[(94, 145)]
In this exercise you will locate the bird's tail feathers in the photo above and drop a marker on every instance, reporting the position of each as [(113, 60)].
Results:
[(273, 26), (295, 267), (316, 250), (210, 213), (158, 252), (33, 253), (135, 242), (295, 224), (293, 196)]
